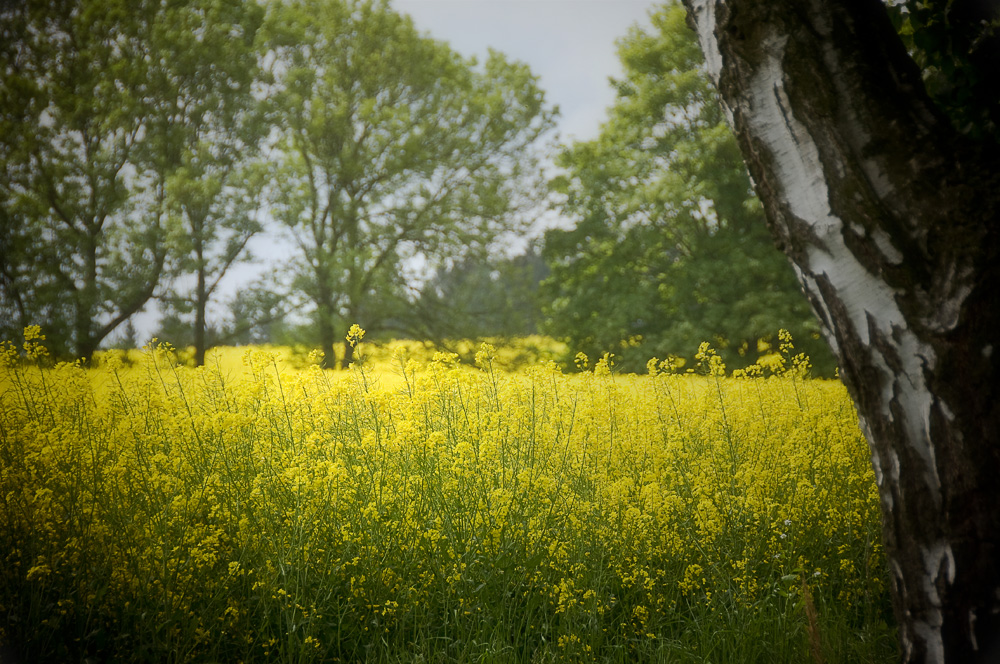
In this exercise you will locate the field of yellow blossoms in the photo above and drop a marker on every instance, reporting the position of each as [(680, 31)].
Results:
[(409, 511)]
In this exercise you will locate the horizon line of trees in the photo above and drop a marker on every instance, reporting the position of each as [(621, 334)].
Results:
[(145, 146)]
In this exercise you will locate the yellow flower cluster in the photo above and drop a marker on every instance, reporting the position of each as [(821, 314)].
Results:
[(278, 514)]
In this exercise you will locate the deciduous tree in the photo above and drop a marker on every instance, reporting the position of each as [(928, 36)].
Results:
[(887, 201), (213, 192), (396, 151), (479, 297), (670, 247), (114, 117), (80, 193)]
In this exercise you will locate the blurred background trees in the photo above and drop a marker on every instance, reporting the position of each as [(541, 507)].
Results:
[(83, 160), (123, 127), (144, 151), (396, 155), (212, 192), (476, 298), (670, 247)]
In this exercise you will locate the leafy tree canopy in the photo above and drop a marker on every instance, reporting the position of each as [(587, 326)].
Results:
[(395, 152), (212, 192), (670, 247), (104, 106), (956, 45)]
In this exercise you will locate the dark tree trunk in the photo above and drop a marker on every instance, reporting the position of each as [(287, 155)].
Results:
[(327, 339), (200, 307), (327, 332), (891, 220), (86, 302), (348, 356), (86, 347)]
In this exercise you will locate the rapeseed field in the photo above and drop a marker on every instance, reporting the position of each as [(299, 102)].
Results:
[(408, 511)]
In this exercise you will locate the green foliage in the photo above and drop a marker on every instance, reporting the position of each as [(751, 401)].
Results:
[(80, 145), (122, 129), (956, 45), (259, 314), (393, 148), (478, 298), (670, 245), (212, 192)]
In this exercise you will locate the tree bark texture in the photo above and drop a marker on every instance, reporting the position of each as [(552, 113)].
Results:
[(891, 220)]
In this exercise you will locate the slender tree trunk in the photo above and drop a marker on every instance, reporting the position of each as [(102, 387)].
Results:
[(325, 311), (201, 304), (891, 220), (327, 338), (348, 356), (355, 275), (86, 302)]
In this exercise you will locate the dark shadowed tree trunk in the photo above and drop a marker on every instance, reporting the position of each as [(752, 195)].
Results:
[(327, 336), (200, 309), (891, 220)]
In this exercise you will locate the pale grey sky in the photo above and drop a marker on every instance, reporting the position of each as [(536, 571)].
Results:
[(570, 44)]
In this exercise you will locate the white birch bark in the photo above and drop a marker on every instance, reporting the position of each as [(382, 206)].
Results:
[(807, 161)]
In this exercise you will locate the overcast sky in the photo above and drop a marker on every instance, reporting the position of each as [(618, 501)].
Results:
[(570, 44)]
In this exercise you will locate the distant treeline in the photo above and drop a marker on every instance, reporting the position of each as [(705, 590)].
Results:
[(145, 146)]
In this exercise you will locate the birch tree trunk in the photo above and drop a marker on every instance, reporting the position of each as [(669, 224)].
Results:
[(891, 219)]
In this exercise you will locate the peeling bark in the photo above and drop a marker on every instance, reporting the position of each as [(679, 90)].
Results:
[(891, 221)]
